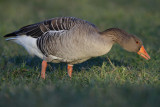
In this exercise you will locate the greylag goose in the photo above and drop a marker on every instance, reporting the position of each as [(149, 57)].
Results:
[(72, 40)]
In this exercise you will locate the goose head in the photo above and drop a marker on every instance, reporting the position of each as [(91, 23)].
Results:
[(127, 41)]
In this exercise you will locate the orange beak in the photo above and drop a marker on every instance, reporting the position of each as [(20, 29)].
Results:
[(142, 52)]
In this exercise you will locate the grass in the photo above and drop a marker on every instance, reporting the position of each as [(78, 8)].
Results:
[(128, 81)]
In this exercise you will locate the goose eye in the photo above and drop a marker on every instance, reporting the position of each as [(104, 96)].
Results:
[(137, 42)]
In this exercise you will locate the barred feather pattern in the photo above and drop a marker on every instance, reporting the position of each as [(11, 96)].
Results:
[(55, 24)]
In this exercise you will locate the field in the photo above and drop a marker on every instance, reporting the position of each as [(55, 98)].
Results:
[(118, 78)]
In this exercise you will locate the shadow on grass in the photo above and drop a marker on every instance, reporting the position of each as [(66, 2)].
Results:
[(35, 62)]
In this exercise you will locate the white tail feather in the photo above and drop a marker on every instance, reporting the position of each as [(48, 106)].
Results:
[(8, 39), (28, 43)]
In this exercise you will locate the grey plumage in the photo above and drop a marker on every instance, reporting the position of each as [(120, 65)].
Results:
[(70, 42), (66, 39)]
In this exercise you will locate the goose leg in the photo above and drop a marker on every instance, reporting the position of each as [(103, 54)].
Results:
[(44, 66), (70, 69)]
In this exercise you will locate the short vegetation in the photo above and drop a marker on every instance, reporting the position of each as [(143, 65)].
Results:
[(118, 78)]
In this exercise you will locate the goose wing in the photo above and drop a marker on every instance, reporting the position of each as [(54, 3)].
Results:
[(56, 24)]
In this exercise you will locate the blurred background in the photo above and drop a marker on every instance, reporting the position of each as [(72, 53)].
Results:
[(134, 81)]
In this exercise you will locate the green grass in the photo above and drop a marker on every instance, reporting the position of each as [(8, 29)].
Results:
[(129, 81)]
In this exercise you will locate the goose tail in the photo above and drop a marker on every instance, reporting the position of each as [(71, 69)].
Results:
[(11, 36)]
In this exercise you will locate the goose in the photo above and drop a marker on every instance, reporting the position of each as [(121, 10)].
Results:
[(72, 40)]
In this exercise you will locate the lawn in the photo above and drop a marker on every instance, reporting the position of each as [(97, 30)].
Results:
[(118, 78)]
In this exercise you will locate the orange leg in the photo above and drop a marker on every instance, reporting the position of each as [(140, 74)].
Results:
[(70, 69), (44, 66)]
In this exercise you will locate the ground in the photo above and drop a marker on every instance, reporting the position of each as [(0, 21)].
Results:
[(118, 78)]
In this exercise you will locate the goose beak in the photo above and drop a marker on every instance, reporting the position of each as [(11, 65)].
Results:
[(142, 52)]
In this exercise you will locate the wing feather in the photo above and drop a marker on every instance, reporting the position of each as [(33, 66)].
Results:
[(55, 24)]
